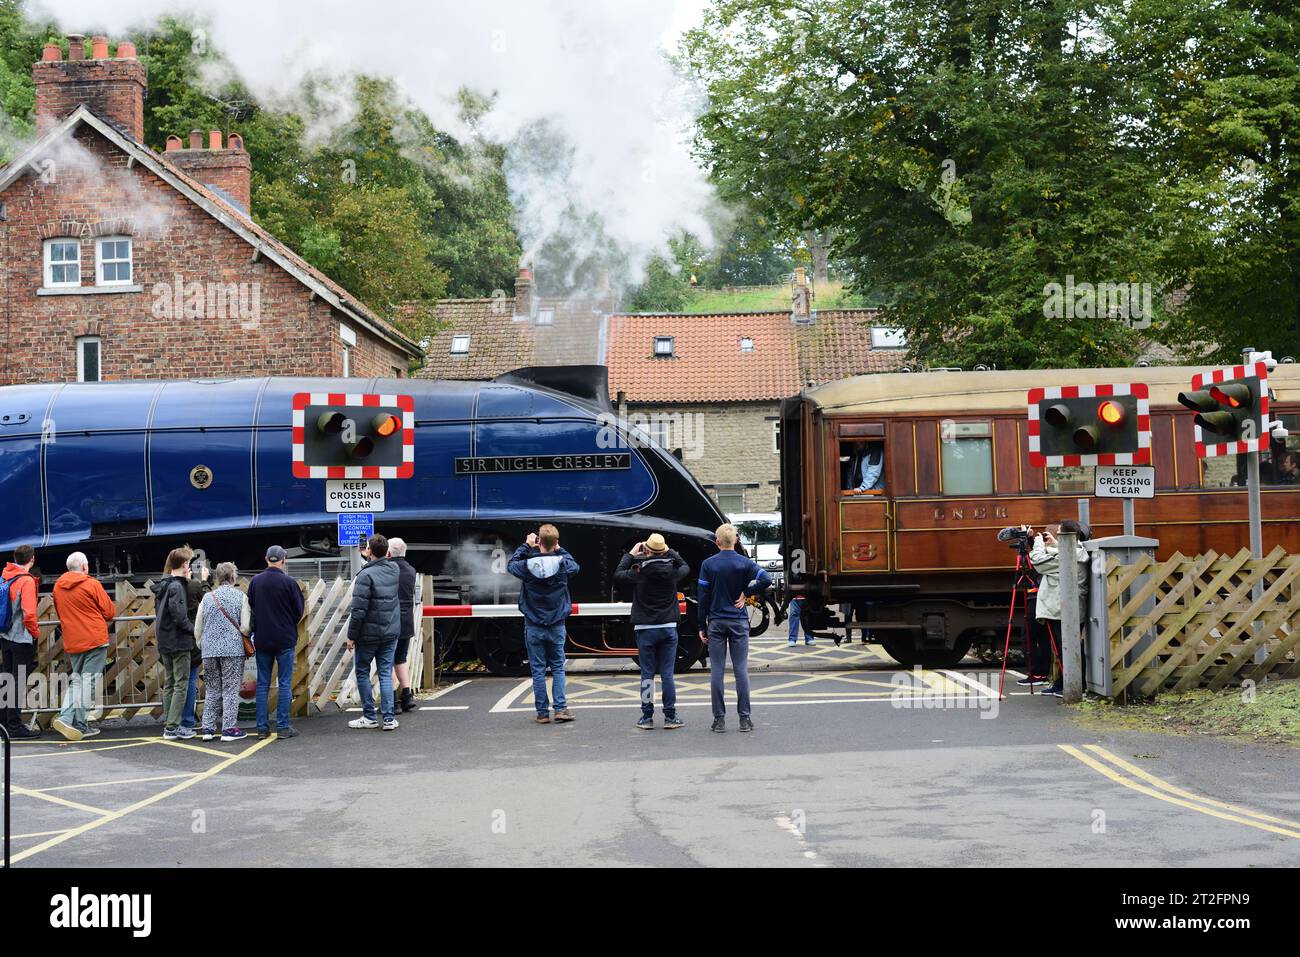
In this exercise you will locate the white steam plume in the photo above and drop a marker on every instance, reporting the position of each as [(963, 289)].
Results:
[(593, 72)]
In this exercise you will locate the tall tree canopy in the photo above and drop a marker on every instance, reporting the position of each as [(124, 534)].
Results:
[(984, 163)]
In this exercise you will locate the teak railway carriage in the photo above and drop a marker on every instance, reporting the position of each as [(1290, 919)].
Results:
[(919, 560), (125, 471)]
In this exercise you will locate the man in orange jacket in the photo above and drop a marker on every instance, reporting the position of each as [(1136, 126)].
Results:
[(84, 611), (18, 644)]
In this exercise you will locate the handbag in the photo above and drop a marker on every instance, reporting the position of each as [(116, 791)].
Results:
[(248, 644)]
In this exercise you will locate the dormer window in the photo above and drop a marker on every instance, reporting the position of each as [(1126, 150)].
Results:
[(460, 345), (746, 344), (664, 347), (546, 317), (62, 263)]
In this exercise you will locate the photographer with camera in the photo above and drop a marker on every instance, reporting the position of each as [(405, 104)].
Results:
[(1046, 560), (654, 571)]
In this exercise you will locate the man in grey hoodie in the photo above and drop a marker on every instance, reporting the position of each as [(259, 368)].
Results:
[(373, 630)]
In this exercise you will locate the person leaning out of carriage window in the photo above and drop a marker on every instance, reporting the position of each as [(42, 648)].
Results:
[(866, 472), (1045, 557)]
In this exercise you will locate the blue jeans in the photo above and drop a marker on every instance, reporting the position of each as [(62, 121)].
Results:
[(730, 633), (381, 654), (656, 648), (545, 645), (796, 613), (192, 692), (283, 662)]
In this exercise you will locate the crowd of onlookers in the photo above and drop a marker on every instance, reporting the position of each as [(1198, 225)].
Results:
[(205, 624)]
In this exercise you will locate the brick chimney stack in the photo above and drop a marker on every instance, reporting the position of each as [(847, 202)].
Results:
[(111, 87), (524, 293), (227, 170), (800, 297)]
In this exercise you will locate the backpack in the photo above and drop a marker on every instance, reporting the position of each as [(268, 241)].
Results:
[(7, 602)]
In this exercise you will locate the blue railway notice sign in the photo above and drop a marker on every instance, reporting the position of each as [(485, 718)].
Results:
[(355, 527)]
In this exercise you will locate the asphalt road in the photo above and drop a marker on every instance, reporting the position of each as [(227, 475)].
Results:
[(853, 763)]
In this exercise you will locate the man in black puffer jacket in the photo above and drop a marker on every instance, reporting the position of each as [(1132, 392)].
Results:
[(654, 570), (373, 630)]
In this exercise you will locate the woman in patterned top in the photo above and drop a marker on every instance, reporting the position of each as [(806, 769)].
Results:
[(223, 622)]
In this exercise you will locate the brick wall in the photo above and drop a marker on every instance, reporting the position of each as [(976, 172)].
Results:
[(733, 442), (280, 330)]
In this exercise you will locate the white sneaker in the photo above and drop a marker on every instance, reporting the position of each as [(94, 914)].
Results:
[(390, 724), (363, 722)]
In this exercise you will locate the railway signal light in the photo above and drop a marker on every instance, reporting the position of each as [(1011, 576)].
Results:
[(1231, 406), (1089, 425), (355, 435)]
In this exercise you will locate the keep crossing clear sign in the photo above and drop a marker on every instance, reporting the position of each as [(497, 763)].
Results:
[(1125, 481), (354, 495), (355, 528)]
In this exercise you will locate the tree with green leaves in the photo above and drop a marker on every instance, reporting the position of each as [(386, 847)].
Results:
[(965, 156)]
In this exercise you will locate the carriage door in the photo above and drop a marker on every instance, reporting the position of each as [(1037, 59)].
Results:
[(865, 508)]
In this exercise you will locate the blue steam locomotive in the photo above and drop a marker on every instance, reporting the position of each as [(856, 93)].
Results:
[(125, 471)]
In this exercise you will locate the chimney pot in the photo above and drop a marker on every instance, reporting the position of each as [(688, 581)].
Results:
[(235, 142), (76, 46), (173, 143), (99, 48), (214, 140), (196, 139), (126, 50), (113, 89), (53, 53)]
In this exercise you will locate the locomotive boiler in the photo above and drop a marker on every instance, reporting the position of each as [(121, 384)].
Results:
[(125, 471)]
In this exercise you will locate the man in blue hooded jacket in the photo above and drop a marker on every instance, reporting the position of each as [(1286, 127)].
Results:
[(544, 568)]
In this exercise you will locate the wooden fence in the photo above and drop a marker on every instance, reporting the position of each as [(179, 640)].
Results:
[(133, 678), (1207, 621)]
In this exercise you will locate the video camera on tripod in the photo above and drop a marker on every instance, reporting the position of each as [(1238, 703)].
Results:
[(1017, 537)]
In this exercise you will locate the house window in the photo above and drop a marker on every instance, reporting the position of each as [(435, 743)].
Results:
[(883, 337), (730, 498), (663, 345), (113, 261), (62, 262), (88, 359), (349, 337), (460, 345), (658, 429), (747, 344), (776, 435), (966, 458), (545, 317), (347, 361)]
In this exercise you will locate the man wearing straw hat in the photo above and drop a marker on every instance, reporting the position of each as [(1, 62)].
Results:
[(654, 571)]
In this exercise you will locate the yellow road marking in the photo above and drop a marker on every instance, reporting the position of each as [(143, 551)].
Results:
[(19, 837), (70, 744), (138, 805), (1168, 798), (104, 784), (1179, 792), (59, 754), (193, 747), (57, 800)]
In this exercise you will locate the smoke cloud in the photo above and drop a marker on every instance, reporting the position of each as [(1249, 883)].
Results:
[(595, 120)]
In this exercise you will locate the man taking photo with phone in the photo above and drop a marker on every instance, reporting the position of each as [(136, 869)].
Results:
[(544, 568), (654, 571)]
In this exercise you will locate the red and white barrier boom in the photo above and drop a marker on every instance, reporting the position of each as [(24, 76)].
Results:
[(607, 609)]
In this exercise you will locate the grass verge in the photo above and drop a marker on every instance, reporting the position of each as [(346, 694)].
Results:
[(1270, 713)]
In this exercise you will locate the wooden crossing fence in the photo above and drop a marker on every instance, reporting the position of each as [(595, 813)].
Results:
[(132, 683), (1205, 621)]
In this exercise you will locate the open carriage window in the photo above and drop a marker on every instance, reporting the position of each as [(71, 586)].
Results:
[(966, 458), (862, 466)]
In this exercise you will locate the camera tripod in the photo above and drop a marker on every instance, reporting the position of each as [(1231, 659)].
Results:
[(1023, 585)]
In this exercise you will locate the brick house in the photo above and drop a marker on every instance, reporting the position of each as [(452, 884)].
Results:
[(120, 262), (712, 385)]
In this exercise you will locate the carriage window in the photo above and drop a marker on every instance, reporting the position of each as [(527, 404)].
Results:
[(1280, 465), (966, 458), (1070, 479)]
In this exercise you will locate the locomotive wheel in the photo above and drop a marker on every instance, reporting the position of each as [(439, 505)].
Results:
[(905, 653), (500, 646)]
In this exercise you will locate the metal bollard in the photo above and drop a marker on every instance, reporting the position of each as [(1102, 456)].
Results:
[(4, 732)]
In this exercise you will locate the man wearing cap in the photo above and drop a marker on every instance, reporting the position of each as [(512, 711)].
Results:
[(277, 606), (654, 571)]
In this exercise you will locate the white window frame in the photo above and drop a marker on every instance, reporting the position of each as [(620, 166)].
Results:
[(546, 317), (100, 261), (671, 350), (776, 435), (744, 347), (49, 264), (457, 341), (347, 360), (82, 342), (729, 489), (888, 337)]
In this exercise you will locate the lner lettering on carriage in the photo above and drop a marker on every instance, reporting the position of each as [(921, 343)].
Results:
[(961, 513), (497, 464)]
